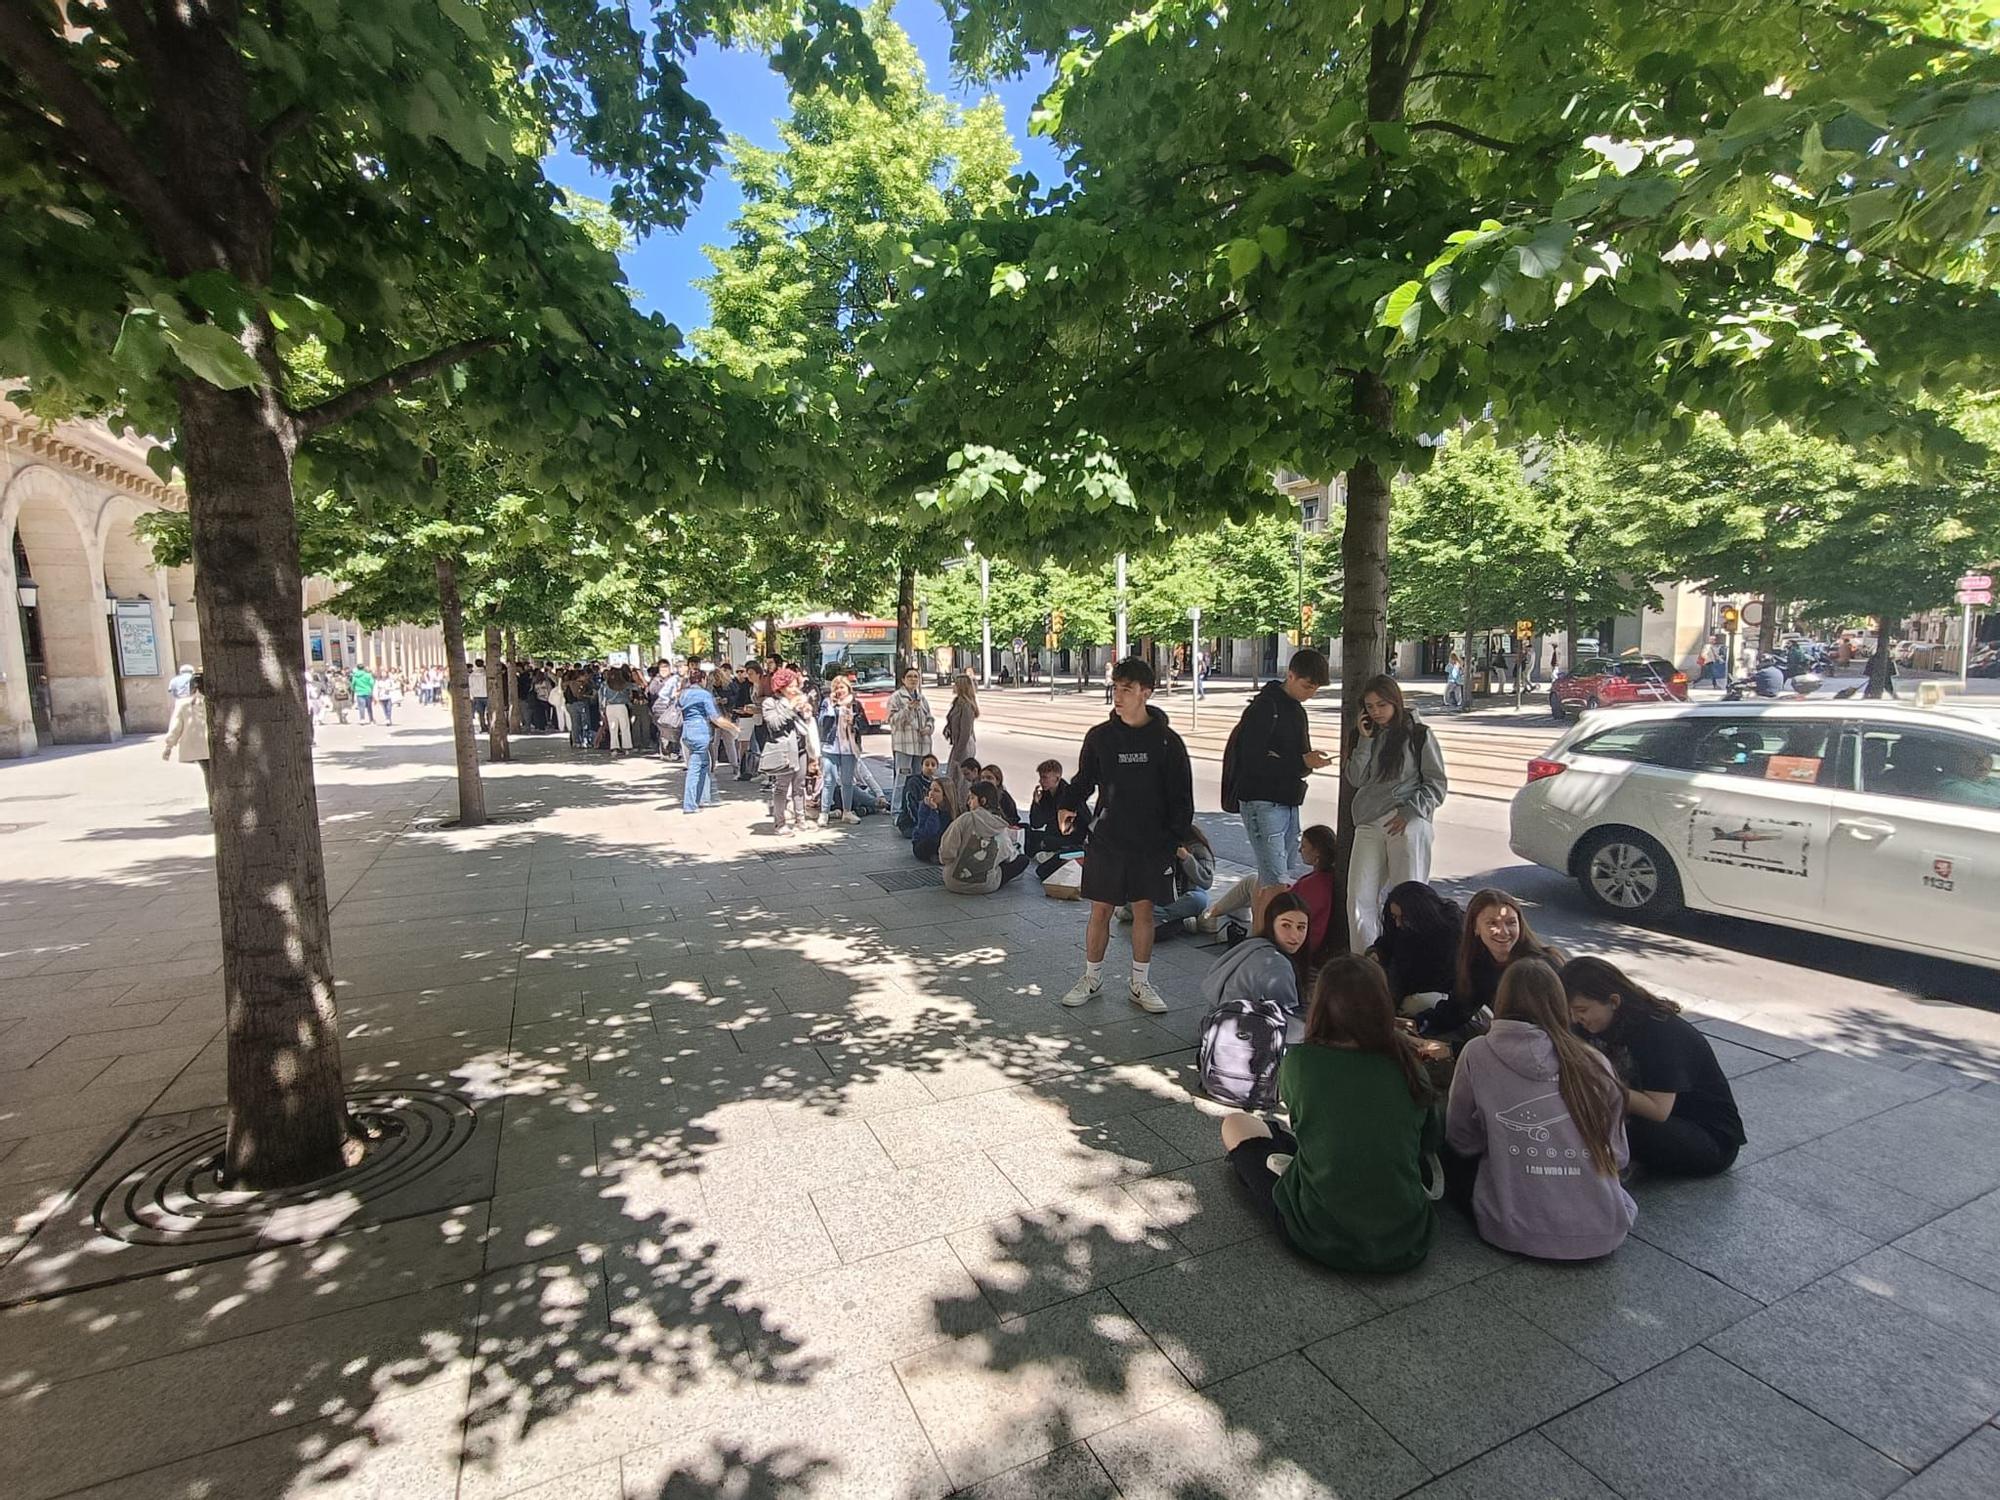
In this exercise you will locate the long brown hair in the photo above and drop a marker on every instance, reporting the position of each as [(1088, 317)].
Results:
[(1267, 920), (1392, 746), (1531, 991), (1472, 952), (1599, 980), (1351, 1008)]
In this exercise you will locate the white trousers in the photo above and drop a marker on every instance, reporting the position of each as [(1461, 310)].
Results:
[(618, 716), (1378, 864)]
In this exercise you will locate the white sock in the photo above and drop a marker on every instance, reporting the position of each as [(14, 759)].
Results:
[(1140, 971), (1094, 972)]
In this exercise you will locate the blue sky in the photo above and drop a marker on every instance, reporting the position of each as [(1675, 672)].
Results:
[(749, 99)]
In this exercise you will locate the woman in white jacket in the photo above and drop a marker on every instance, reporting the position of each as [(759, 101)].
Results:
[(1397, 772), (187, 732)]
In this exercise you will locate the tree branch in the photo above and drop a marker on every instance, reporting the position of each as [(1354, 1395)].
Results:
[(98, 142), (1464, 133), (1467, 73), (1419, 34), (286, 122), (358, 398)]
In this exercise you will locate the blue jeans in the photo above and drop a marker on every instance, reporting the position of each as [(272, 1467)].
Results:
[(1193, 904), (366, 701), (698, 786), (837, 774), (1273, 830)]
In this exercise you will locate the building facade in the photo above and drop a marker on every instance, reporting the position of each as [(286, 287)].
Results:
[(91, 627)]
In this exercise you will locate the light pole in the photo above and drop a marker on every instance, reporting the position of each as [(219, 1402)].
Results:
[(1194, 655), (1121, 607), (985, 616)]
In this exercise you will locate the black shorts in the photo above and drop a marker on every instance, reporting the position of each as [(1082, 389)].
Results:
[(1251, 1162), (1120, 876)]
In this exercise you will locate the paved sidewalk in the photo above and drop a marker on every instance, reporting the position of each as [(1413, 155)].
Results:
[(786, 1176)]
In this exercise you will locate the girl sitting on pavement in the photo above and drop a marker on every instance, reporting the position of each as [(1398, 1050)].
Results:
[(977, 851), (935, 814), (1496, 934), (1418, 948), (1319, 847), (1253, 995), (1346, 1184), (1680, 1114), (1535, 1129)]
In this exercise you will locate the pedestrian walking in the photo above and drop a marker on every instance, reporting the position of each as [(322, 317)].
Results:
[(1139, 767), (475, 689), (363, 683), (701, 723), (187, 732), (1454, 682), (911, 725), (1266, 762), (340, 693), (1397, 772), (616, 696), (388, 689), (1200, 673)]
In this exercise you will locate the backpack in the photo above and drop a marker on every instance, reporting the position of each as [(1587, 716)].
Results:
[(1242, 1043)]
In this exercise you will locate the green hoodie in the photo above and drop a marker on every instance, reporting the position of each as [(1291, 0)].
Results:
[(364, 682), (1354, 1197)]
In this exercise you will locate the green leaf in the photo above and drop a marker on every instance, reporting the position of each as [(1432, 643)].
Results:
[(558, 323), (1274, 239), (1391, 135), (1396, 306), (1245, 256), (212, 354)]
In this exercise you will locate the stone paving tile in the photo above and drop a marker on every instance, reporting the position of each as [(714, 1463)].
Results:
[(887, 1210), (1697, 1425), (1965, 1241), (1456, 1375), (1071, 1473), (1280, 1429), (1834, 1192), (1789, 1105), (1743, 1236), (1049, 1168), (1529, 1468), (1971, 1471), (1961, 1307), (1626, 1312), (1202, 1206), (1236, 1307), (1458, 1256), (1030, 1261), (1001, 1398), (1900, 1148), (855, 1317), (856, 1437), (121, 1421), (1903, 1385), (62, 1153)]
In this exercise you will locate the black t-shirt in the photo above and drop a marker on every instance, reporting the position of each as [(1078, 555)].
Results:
[(1663, 1054)]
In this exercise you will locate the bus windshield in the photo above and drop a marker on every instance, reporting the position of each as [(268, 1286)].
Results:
[(873, 664)]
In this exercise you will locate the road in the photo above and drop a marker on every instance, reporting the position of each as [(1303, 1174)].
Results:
[(1814, 985)]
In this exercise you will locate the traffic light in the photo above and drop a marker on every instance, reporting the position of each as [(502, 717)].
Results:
[(1306, 620), (1731, 617), (1055, 622)]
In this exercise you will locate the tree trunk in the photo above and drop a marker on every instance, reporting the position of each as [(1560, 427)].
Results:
[(500, 688), (770, 635), (906, 619), (1880, 664), (1471, 627), (1571, 634), (1767, 627), (287, 1116), (471, 793), (1364, 599), (516, 724)]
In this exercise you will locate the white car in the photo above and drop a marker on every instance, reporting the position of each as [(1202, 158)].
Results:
[(1874, 820)]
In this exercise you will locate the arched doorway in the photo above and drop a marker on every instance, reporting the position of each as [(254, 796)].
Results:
[(137, 632), (64, 653)]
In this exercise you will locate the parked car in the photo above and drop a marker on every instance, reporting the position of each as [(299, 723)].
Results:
[(1606, 681), (1875, 820)]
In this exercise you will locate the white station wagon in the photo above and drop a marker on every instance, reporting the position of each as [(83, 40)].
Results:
[(1874, 820)]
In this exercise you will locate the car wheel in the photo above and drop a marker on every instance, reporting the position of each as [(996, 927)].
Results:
[(1627, 874), (1594, 703), (1557, 708)]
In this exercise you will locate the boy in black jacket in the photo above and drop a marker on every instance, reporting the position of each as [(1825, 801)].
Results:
[(1139, 768)]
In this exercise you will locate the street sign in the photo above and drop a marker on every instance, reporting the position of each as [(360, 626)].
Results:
[(1975, 596), (1753, 612), (1974, 581)]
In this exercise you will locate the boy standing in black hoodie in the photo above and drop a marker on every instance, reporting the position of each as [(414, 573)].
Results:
[(1139, 769)]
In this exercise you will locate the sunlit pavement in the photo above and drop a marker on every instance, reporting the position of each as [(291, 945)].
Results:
[(787, 1180)]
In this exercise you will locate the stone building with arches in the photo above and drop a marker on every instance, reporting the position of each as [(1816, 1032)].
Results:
[(91, 627)]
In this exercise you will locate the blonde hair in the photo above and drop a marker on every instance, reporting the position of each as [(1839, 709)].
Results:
[(964, 688)]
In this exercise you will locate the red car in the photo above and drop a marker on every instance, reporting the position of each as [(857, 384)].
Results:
[(1603, 681)]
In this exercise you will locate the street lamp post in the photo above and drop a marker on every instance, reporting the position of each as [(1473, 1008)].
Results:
[(1121, 607), (985, 624), (1194, 654)]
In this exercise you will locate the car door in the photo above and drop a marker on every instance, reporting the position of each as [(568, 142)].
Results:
[(1752, 819), (1916, 837)]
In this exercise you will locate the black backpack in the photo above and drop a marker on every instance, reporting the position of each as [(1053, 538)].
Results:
[(1242, 1043)]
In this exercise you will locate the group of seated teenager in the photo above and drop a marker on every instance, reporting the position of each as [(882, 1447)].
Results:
[(1460, 1059), (969, 823), (1319, 849)]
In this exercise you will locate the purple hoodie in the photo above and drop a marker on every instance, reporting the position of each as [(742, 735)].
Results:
[(1538, 1192)]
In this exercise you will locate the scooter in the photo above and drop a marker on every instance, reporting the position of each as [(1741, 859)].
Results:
[(1800, 686)]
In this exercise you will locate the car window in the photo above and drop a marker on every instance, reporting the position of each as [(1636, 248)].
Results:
[(1650, 670), (1764, 748), (1660, 743), (1927, 766), (1592, 666)]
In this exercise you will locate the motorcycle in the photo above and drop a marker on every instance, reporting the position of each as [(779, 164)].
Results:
[(1739, 688)]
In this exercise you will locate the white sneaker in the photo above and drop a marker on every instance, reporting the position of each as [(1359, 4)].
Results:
[(1148, 999), (848, 817), (1084, 991)]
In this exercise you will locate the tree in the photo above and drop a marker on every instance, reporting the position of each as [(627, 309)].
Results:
[(197, 192), (1314, 236), (805, 277)]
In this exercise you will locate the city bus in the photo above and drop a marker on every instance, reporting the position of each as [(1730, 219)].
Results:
[(867, 648)]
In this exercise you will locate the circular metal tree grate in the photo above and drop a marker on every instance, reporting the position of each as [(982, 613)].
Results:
[(177, 1198)]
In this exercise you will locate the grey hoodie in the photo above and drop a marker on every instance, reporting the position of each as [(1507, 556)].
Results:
[(1538, 1193), (972, 851), (1416, 791), (1254, 969)]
